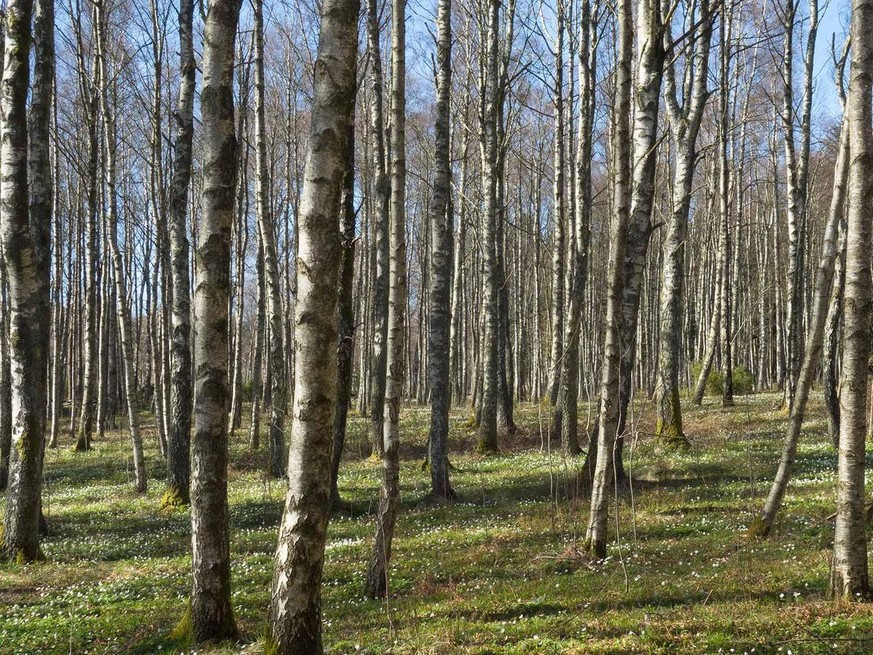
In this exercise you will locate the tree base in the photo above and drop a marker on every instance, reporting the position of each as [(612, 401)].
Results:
[(174, 498), (759, 529)]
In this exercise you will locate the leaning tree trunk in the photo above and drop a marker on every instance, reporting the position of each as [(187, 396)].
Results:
[(122, 305), (295, 601), (178, 448), (376, 583), (849, 574), (211, 611), (438, 343), (820, 301), (712, 338), (26, 250), (609, 390)]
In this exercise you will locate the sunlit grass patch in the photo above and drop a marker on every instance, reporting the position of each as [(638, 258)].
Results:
[(499, 571)]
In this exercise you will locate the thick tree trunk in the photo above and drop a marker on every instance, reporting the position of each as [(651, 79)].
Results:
[(849, 574), (211, 611), (376, 583), (179, 446), (295, 602), (26, 247)]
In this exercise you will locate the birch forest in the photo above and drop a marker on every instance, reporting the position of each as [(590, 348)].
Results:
[(436, 326)]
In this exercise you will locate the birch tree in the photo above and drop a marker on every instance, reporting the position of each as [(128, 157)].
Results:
[(376, 583), (797, 181), (685, 116), (849, 573), (211, 611), (438, 343), (295, 598), (380, 243), (569, 393), (609, 387), (812, 353), (179, 446), (107, 111), (488, 405), (26, 254)]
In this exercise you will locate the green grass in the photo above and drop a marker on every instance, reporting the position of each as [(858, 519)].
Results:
[(499, 571)]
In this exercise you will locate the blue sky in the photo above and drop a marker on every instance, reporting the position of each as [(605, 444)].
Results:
[(834, 20)]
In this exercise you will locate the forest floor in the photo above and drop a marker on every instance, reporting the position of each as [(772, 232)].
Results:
[(498, 571)]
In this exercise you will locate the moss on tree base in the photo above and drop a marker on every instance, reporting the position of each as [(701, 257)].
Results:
[(173, 498)]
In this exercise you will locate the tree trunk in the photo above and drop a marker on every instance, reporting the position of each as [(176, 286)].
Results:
[(92, 266), (796, 169), (558, 216), (345, 314), (684, 125), (376, 583), (295, 601), (122, 306), (609, 391), (5, 378), (211, 611), (258, 355), (271, 262), (179, 446), (379, 365), (489, 336), (849, 575), (26, 247), (569, 393), (438, 342), (830, 372)]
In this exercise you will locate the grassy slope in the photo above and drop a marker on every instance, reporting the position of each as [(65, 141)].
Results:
[(498, 572)]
